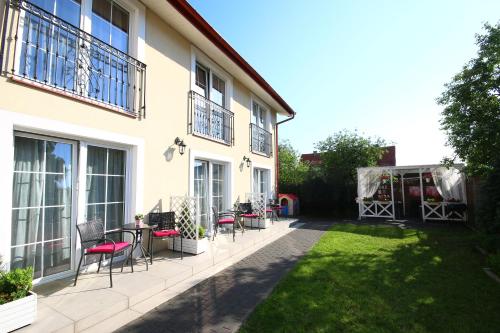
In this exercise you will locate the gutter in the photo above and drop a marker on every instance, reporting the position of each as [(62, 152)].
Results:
[(277, 168)]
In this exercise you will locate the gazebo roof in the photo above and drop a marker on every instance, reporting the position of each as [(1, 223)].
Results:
[(410, 168)]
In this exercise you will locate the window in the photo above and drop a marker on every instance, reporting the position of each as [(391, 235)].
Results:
[(42, 197), (261, 138), (105, 177), (261, 181), (210, 189), (210, 118), (78, 59)]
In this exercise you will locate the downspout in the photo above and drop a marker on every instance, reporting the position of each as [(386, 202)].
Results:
[(277, 168)]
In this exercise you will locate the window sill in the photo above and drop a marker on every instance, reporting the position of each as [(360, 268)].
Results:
[(73, 96)]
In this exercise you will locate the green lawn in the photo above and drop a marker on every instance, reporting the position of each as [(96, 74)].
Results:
[(362, 278)]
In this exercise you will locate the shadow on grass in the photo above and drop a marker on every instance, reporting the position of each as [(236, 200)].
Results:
[(365, 278)]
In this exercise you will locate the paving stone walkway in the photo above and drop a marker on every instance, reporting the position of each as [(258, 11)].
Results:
[(222, 302)]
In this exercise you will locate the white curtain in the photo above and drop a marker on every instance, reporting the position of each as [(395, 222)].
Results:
[(448, 182), (368, 182)]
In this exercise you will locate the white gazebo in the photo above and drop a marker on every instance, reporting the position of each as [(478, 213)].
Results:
[(431, 192)]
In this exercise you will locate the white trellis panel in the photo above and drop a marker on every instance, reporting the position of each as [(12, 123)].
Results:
[(438, 211), (376, 209), (258, 201), (186, 214)]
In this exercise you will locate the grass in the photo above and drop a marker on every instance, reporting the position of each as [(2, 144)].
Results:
[(365, 278)]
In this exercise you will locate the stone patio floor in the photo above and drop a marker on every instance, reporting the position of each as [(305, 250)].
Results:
[(92, 306)]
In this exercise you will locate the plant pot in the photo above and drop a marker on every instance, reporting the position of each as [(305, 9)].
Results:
[(257, 223), (19, 313), (192, 246), (138, 223)]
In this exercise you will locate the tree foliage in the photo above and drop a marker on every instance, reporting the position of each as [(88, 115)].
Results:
[(292, 170), (471, 117), (345, 151), (330, 187)]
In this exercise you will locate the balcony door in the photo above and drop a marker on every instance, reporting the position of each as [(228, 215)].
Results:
[(210, 119), (210, 190), (43, 197)]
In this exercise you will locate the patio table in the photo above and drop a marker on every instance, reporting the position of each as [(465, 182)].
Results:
[(138, 228)]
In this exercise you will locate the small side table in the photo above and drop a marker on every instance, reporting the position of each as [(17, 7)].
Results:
[(139, 233)]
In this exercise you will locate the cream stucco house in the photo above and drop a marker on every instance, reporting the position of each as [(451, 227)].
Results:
[(94, 93)]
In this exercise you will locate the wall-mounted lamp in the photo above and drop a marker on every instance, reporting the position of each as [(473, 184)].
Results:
[(247, 161), (182, 146)]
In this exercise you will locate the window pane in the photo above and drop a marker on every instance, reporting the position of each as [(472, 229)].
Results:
[(120, 18), (58, 157), (116, 162), (95, 213), (28, 154), (26, 226), (57, 190), (57, 222), (201, 78), (56, 256), (27, 190), (115, 189), (101, 28), (26, 256), (96, 189), (96, 160), (114, 216), (69, 10)]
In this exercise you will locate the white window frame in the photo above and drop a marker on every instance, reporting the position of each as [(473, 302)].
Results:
[(14, 121), (74, 203), (199, 57), (270, 177), (228, 176)]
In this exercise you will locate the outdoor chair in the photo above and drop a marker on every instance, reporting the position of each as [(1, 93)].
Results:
[(94, 241), (247, 212), (224, 218), (165, 228)]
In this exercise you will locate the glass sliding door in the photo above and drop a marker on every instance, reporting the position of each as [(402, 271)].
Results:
[(210, 189), (260, 180), (201, 190), (42, 203), (105, 186)]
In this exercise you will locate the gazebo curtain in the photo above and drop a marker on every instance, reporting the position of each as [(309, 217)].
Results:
[(448, 182), (368, 182)]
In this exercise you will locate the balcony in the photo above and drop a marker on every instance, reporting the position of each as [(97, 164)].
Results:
[(260, 141), (210, 120), (42, 50)]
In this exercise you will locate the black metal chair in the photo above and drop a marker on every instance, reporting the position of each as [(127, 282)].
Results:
[(94, 240), (165, 228), (224, 218), (247, 212)]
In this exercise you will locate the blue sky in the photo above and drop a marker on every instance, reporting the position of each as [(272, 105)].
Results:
[(372, 66)]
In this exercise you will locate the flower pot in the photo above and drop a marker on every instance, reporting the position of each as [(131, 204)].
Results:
[(19, 313), (257, 223), (192, 246)]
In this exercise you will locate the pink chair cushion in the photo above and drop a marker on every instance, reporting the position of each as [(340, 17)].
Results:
[(108, 247), (269, 210), (226, 221), (249, 215), (166, 233)]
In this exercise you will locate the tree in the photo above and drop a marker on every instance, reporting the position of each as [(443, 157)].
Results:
[(344, 152), (471, 115), (341, 154), (292, 170)]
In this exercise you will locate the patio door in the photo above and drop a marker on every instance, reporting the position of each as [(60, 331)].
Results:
[(210, 189), (43, 204)]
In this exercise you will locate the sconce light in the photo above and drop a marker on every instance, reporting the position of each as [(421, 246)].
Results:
[(182, 146), (247, 160)]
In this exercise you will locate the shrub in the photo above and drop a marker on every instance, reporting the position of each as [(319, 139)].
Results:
[(15, 284), (201, 232), (491, 243), (494, 262)]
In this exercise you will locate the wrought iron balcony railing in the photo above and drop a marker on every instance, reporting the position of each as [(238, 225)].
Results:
[(260, 140), (210, 120), (42, 48)]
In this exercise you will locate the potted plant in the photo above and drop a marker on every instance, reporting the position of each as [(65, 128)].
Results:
[(17, 300), (138, 219)]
